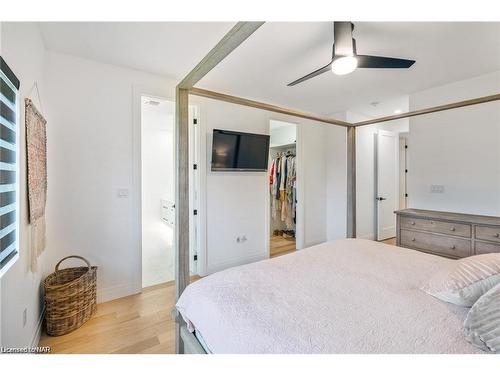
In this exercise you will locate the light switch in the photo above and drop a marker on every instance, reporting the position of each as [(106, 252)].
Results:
[(437, 189), (122, 193)]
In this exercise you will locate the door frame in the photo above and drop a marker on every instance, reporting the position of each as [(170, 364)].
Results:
[(376, 178), (300, 211), (138, 91), (160, 93)]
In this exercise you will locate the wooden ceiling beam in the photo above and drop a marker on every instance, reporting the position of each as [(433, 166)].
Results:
[(444, 107), (265, 106), (234, 37)]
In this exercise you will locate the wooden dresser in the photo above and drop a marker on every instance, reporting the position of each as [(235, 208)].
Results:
[(448, 234)]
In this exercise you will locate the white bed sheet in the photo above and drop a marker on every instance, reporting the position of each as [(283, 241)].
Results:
[(345, 296)]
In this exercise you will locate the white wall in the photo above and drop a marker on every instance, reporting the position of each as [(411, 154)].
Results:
[(324, 151), (93, 138), (157, 148), (458, 149), (237, 203), (92, 157), (23, 50), (336, 185)]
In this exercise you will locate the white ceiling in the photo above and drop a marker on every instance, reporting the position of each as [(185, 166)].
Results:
[(169, 49), (278, 53), (386, 107)]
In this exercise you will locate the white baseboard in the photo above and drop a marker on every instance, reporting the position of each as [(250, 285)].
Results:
[(35, 339), (313, 243), (369, 236), (117, 291)]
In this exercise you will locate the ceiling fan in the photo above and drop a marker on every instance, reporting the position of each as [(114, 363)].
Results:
[(345, 59)]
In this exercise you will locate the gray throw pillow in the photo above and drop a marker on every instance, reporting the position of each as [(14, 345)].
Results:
[(482, 325)]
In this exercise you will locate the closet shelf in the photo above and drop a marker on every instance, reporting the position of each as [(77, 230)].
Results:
[(288, 145)]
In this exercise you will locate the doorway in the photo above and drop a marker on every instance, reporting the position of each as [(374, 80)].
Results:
[(157, 190), (391, 173), (387, 182), (283, 187)]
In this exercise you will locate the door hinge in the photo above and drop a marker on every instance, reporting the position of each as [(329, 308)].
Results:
[(195, 212), (406, 146), (195, 121), (406, 170), (195, 166), (406, 195), (195, 257)]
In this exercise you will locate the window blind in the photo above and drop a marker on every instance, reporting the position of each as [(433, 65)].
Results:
[(9, 86)]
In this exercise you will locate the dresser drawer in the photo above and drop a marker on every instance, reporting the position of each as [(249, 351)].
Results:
[(485, 247), (444, 245), (488, 233), (437, 226)]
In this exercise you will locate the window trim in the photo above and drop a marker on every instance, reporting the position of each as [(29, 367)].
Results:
[(14, 82)]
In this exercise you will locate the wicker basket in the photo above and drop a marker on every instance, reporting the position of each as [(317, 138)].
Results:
[(70, 297)]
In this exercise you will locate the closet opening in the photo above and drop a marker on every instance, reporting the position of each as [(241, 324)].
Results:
[(283, 187), (157, 190)]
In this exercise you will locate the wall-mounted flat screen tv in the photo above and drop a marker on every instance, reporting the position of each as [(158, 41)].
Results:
[(235, 151)]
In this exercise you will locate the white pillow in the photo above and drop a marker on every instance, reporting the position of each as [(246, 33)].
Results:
[(465, 280), (482, 325)]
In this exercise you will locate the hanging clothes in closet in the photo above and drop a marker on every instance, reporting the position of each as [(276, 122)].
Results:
[(282, 181)]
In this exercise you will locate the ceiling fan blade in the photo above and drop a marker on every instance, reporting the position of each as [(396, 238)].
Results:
[(365, 61), (342, 36), (322, 70)]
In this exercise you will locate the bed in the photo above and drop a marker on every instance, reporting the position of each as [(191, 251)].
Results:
[(345, 296)]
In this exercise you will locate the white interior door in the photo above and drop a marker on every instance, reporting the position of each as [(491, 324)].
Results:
[(387, 183)]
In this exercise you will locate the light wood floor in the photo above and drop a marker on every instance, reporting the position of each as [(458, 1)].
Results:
[(281, 246), (141, 323), (390, 241)]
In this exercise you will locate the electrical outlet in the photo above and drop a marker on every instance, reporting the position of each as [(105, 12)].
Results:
[(438, 189), (25, 316), (122, 193), (241, 239)]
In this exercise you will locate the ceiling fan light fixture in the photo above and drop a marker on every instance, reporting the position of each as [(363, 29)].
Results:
[(344, 65)]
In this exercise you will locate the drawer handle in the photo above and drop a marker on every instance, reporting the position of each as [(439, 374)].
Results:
[(496, 235), (453, 247), (413, 223), (413, 239), (452, 229), (432, 222)]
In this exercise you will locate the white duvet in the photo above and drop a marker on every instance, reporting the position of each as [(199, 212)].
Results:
[(346, 296)]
